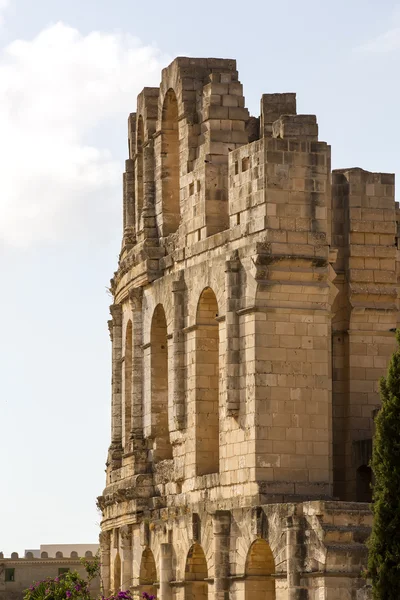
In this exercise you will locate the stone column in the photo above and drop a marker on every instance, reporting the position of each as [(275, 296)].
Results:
[(147, 228), (178, 290), (115, 325), (166, 573), (105, 540), (129, 193), (137, 442), (126, 556), (135, 297), (293, 558), (221, 529), (232, 286)]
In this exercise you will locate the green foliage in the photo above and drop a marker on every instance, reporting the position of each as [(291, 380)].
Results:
[(92, 566), (70, 586), (384, 543)]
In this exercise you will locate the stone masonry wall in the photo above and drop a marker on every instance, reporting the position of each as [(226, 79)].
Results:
[(254, 309)]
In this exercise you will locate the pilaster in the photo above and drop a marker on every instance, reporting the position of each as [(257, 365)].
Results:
[(115, 451), (232, 363), (178, 348), (221, 531)]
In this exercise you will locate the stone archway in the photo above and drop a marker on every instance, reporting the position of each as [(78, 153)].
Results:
[(162, 449), (207, 384), (139, 171), (170, 164), (117, 573), (148, 573), (260, 566), (127, 391), (196, 572), (364, 484)]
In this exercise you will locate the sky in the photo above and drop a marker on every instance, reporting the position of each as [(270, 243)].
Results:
[(70, 72)]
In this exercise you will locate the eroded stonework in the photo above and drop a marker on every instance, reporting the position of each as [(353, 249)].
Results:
[(255, 302)]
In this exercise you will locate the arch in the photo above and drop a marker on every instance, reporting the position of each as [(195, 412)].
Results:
[(162, 448), (139, 170), (196, 573), (74, 554), (364, 484), (170, 164), (148, 573), (207, 384), (59, 554), (88, 554), (117, 573), (127, 396), (44, 555), (260, 565)]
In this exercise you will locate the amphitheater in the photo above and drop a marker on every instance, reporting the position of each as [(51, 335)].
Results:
[(255, 304)]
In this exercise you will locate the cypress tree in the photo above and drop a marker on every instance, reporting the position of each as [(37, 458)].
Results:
[(384, 543)]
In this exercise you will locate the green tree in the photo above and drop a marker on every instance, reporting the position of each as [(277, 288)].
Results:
[(384, 543)]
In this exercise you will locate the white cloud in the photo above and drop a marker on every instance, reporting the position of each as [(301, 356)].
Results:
[(3, 6), (55, 90), (387, 42)]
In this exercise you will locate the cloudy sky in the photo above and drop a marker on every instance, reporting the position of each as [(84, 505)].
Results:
[(69, 75)]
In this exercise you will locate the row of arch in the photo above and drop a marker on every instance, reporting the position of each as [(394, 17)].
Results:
[(207, 375), (259, 573), (59, 554), (170, 165)]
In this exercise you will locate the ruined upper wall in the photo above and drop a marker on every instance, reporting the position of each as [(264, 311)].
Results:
[(178, 187)]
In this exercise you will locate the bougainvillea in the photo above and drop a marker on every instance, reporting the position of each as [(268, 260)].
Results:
[(71, 586), (68, 586)]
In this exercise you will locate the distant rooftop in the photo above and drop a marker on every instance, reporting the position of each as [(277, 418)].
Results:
[(58, 551)]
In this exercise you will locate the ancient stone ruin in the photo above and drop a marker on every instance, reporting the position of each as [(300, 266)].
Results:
[(254, 307)]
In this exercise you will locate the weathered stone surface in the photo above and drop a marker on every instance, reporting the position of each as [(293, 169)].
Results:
[(254, 307)]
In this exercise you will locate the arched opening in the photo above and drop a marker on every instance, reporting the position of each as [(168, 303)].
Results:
[(364, 484), (207, 384), (162, 448), (260, 566), (196, 587), (139, 171), (117, 573), (127, 397), (170, 164), (148, 573)]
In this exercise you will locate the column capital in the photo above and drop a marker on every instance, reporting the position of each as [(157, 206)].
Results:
[(222, 522), (135, 298), (105, 540), (116, 313), (232, 263), (126, 536), (178, 285)]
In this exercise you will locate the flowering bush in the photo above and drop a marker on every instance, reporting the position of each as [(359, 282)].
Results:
[(69, 586), (126, 595)]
